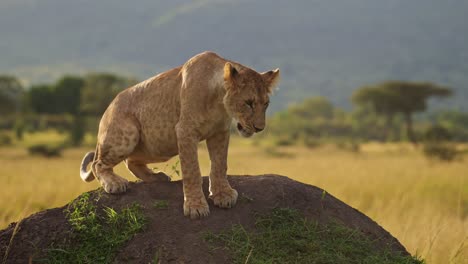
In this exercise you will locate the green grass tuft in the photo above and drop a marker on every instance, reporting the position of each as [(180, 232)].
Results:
[(156, 258), (96, 235), (245, 198), (160, 204), (284, 236)]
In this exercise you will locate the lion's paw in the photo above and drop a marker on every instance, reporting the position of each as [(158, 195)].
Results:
[(115, 185), (196, 208), (225, 198)]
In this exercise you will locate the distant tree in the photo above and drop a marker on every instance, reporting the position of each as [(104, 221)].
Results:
[(437, 133), (438, 145), (453, 119), (40, 99), (67, 94), (77, 131), (314, 107), (100, 89), (369, 125), (456, 122), (392, 97), (63, 97), (316, 117), (11, 92), (19, 128)]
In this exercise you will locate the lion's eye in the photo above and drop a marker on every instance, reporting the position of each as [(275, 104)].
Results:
[(249, 103), (267, 104)]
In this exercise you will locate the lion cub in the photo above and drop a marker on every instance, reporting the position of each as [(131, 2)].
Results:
[(170, 114)]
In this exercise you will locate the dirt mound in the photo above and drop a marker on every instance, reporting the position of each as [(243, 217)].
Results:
[(176, 238)]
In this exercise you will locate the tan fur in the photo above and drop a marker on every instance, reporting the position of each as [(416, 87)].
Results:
[(170, 114)]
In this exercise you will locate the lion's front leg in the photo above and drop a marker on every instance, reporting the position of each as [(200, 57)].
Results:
[(195, 204), (220, 191)]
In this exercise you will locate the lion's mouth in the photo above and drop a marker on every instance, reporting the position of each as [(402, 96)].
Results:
[(243, 131)]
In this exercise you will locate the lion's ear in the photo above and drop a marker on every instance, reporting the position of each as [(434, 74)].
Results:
[(230, 74), (271, 78), (229, 71)]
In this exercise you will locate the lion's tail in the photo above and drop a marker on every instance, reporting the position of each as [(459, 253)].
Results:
[(87, 176)]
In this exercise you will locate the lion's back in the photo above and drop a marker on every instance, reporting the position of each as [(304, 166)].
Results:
[(156, 102)]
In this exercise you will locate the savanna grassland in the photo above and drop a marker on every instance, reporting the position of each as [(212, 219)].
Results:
[(422, 203)]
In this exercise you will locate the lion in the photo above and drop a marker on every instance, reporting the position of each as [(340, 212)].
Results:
[(170, 114)]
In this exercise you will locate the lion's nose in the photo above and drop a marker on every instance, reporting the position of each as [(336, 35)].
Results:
[(258, 129)]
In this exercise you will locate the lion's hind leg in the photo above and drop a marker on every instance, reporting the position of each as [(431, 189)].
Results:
[(116, 142), (142, 172)]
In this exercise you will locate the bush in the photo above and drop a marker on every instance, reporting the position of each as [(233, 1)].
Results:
[(275, 153), (77, 131), (5, 140), (284, 141), (437, 133), (19, 129), (440, 151), (352, 146), (44, 150), (310, 142), (437, 144)]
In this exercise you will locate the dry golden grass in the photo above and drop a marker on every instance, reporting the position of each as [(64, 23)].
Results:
[(424, 204)]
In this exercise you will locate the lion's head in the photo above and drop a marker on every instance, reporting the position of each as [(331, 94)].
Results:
[(247, 96)]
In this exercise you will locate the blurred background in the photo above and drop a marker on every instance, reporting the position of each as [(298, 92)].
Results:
[(371, 106)]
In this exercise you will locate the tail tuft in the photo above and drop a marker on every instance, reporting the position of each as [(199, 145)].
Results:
[(86, 175)]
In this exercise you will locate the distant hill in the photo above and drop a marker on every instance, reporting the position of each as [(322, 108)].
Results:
[(325, 48)]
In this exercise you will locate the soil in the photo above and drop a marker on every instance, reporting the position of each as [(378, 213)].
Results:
[(179, 239)]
